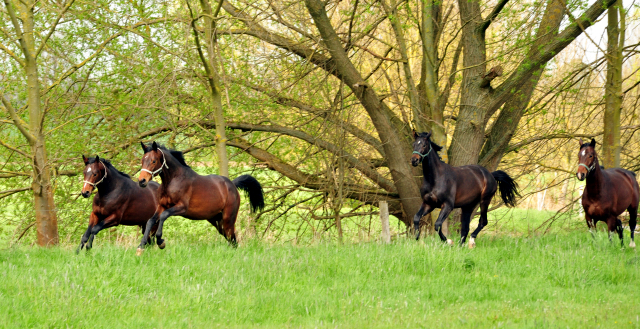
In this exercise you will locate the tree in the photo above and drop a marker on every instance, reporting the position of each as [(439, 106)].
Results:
[(613, 89)]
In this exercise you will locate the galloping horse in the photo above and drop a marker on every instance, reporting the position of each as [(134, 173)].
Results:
[(119, 201), (185, 193), (608, 193), (447, 187)]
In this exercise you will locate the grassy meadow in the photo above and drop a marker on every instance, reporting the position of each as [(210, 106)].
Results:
[(555, 280)]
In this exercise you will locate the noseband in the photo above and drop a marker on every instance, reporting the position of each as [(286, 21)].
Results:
[(159, 170), (103, 177), (422, 156), (589, 169)]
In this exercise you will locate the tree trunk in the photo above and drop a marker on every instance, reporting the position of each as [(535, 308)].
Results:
[(215, 88), (613, 88), (505, 126), (45, 209), (395, 147)]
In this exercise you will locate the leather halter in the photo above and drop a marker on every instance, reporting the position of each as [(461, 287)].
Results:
[(157, 171), (103, 177)]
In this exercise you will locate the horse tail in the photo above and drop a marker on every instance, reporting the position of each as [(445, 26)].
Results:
[(507, 186), (252, 187)]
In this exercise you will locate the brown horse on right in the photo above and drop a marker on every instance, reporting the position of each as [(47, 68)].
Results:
[(608, 193)]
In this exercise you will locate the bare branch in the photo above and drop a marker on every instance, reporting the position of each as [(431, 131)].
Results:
[(53, 27), (17, 121), (494, 13)]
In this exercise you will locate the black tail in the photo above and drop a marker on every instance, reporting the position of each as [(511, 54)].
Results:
[(507, 186), (253, 188)]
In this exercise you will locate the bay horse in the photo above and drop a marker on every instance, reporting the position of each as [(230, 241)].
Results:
[(185, 193), (447, 187), (608, 193), (119, 200)]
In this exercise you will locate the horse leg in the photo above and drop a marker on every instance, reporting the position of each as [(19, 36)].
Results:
[(611, 224), (215, 221), (591, 224), (465, 219), (423, 211), (106, 223), (228, 224), (633, 214), (145, 238), (93, 220), (444, 213), (482, 222), (178, 209), (619, 230)]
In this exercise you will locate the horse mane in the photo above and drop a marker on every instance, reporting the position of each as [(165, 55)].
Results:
[(176, 154), (108, 164)]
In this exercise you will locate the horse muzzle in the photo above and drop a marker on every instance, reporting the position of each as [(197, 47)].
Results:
[(415, 160), (581, 176), (143, 183), (85, 194)]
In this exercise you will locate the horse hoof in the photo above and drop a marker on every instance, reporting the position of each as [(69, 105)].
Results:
[(472, 243), (632, 244), (450, 242), (139, 252), (162, 245)]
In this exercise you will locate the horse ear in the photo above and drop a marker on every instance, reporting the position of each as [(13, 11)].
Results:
[(581, 142), (154, 146), (593, 142), (414, 133), (144, 147), (84, 158), (97, 158)]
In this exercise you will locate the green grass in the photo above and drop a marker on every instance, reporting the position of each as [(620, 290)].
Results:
[(549, 281)]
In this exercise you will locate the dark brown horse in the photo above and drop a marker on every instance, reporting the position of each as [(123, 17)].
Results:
[(608, 193), (185, 193), (119, 201), (464, 187)]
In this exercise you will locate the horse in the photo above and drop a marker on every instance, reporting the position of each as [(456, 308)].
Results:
[(185, 193), (119, 201), (447, 187), (608, 193)]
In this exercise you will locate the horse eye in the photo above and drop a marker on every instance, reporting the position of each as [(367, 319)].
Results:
[(154, 161)]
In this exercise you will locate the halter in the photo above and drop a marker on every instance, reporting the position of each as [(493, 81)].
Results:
[(103, 177), (422, 156), (164, 164), (589, 169)]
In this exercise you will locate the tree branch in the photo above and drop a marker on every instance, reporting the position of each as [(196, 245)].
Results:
[(17, 121), (544, 54), (494, 13), (18, 30), (12, 54), (363, 167), (53, 27), (6, 193)]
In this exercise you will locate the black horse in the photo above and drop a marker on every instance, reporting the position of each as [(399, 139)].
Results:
[(447, 187)]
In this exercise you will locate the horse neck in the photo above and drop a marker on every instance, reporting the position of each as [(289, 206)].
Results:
[(595, 179), (175, 169), (110, 183), (430, 167)]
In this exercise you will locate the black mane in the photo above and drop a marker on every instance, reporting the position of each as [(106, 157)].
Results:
[(176, 154), (108, 164)]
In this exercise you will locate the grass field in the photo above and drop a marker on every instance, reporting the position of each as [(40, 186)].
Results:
[(549, 281)]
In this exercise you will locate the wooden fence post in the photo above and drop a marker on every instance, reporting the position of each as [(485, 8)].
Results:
[(384, 218)]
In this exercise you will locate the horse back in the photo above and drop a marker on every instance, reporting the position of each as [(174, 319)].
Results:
[(472, 183), (209, 195)]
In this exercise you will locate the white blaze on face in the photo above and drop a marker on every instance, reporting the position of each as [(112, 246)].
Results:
[(584, 152)]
